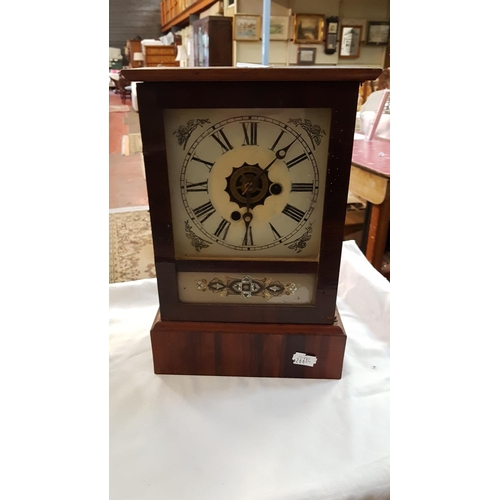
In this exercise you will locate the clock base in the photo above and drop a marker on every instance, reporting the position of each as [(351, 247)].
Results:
[(248, 350)]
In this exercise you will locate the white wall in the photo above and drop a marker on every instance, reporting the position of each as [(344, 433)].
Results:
[(285, 52)]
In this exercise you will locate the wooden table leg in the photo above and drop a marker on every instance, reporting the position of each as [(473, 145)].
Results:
[(377, 232)]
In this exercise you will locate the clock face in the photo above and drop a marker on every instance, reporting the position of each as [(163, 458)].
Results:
[(247, 183)]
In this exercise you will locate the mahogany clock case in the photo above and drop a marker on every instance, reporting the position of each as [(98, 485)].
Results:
[(208, 88), (247, 350)]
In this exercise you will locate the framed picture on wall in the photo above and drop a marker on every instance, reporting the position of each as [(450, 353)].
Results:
[(350, 41), (247, 28), (306, 56), (378, 33), (279, 28), (308, 28)]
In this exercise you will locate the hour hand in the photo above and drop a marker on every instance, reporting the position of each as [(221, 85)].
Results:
[(281, 153), (247, 218)]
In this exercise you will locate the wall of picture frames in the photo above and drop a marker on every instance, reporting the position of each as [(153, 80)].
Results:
[(319, 32)]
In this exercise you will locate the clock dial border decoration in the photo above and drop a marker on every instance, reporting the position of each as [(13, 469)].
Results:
[(314, 132)]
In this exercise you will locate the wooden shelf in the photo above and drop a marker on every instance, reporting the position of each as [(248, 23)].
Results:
[(132, 47), (183, 17), (160, 55)]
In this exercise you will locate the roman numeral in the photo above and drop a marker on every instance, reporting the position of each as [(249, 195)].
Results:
[(250, 131), (222, 229), (302, 187), (276, 235), (248, 238), (221, 138), (277, 140), (207, 164), (296, 160), (198, 186), (293, 213), (206, 210)]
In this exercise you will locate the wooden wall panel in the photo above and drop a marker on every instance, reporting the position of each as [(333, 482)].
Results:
[(131, 18)]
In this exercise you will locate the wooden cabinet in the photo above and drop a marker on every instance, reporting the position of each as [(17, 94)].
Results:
[(177, 12), (163, 55), (213, 41), (132, 47)]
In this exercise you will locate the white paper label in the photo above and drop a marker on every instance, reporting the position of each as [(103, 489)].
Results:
[(300, 358)]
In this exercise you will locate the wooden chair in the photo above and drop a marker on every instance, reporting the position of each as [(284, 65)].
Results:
[(112, 85), (366, 88), (124, 88), (384, 80)]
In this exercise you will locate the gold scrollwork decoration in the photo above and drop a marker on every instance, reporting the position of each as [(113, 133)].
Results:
[(196, 241), (247, 287), (183, 133), (313, 131), (300, 243)]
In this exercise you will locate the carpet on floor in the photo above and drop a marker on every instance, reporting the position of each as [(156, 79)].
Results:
[(119, 108), (131, 254), (134, 143)]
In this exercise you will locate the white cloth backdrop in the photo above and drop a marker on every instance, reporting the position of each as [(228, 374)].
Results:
[(196, 437)]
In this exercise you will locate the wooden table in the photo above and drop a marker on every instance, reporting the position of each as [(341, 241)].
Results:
[(370, 180)]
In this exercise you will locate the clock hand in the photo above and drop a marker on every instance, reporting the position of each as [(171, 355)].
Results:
[(280, 154), (247, 216), (250, 185)]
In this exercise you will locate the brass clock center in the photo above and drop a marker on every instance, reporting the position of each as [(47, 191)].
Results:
[(248, 186)]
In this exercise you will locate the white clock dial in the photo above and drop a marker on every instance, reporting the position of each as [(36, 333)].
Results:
[(247, 183)]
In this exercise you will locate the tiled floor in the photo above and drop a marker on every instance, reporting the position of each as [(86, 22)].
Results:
[(127, 185)]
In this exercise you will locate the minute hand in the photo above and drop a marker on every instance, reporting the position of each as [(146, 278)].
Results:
[(280, 154)]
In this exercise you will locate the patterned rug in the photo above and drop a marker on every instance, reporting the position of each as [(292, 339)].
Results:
[(119, 108), (131, 144), (130, 246), (135, 143)]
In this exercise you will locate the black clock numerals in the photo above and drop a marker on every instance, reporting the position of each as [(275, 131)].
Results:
[(248, 238), (296, 161), (276, 235), (206, 210), (234, 157), (302, 187), (192, 187), (282, 152), (222, 229), (223, 141), (293, 212), (277, 140), (207, 164), (250, 131)]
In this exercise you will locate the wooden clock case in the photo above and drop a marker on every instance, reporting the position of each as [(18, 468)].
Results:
[(238, 340)]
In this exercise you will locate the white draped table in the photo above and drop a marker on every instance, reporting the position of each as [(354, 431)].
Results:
[(217, 438)]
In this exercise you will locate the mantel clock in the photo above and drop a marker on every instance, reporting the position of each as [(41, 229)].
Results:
[(247, 172)]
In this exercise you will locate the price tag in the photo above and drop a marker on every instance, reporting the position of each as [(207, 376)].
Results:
[(300, 358)]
